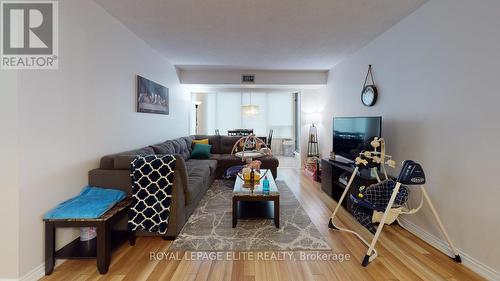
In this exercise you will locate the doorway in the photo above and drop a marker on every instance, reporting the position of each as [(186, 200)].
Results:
[(296, 120)]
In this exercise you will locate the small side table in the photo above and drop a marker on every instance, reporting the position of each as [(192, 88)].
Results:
[(99, 248)]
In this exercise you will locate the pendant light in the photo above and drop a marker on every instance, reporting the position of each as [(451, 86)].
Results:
[(250, 109)]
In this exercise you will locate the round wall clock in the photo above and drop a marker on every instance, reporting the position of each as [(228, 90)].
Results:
[(369, 95)]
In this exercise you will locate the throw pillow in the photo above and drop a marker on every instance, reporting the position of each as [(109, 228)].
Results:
[(202, 141), (201, 151)]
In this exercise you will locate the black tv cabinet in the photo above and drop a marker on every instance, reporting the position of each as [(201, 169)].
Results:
[(332, 171)]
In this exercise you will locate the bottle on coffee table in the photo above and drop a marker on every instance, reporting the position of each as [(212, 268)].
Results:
[(265, 186)]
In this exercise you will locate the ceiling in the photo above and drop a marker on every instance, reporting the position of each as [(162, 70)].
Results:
[(258, 34)]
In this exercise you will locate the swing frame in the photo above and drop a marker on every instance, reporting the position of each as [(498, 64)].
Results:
[(379, 157)]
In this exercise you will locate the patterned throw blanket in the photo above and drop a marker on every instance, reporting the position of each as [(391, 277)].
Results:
[(152, 184)]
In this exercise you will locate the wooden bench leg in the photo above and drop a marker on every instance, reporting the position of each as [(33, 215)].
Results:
[(277, 213), (103, 247), (131, 238), (235, 212), (50, 247)]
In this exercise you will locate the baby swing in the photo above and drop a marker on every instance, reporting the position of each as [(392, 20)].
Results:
[(372, 200)]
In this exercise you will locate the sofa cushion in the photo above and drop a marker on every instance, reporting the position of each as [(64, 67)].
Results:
[(227, 143), (122, 162), (229, 160), (107, 162), (189, 142), (225, 161), (213, 140), (180, 147), (164, 148), (210, 163), (141, 151), (215, 156), (269, 161), (110, 161), (198, 177)]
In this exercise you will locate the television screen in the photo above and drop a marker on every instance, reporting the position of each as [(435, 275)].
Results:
[(352, 135)]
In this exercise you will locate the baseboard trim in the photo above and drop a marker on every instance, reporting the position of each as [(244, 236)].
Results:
[(38, 272), (470, 262)]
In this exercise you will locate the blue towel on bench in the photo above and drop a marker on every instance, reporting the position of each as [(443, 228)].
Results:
[(91, 203)]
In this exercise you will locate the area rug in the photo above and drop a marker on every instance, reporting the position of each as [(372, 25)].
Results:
[(210, 226)]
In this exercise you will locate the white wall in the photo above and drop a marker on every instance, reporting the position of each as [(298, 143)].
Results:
[(9, 200), (437, 72), (69, 118), (313, 104), (206, 113)]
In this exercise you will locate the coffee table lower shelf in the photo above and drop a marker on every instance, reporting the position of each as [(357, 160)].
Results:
[(250, 198)]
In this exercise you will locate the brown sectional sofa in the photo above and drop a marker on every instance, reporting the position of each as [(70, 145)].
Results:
[(192, 177), (221, 151)]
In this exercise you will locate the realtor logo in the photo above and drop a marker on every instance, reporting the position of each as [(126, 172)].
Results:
[(29, 34)]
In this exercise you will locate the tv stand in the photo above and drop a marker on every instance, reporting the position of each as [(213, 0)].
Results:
[(336, 174), (342, 160)]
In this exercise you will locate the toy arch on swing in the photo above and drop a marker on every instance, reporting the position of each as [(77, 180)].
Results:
[(411, 174), (251, 147)]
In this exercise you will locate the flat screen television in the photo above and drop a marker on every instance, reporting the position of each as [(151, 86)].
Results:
[(352, 135)]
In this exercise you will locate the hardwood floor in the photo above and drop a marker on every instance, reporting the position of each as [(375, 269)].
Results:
[(402, 256)]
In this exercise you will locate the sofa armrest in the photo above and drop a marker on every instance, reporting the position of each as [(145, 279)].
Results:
[(120, 179), (110, 178), (177, 217), (181, 172)]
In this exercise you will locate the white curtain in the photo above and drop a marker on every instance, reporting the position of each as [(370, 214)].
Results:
[(280, 117), (228, 112), (256, 122), (223, 111)]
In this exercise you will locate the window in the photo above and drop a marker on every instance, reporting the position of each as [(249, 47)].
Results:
[(223, 111), (228, 112)]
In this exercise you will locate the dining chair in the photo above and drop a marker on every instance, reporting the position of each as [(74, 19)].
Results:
[(269, 138)]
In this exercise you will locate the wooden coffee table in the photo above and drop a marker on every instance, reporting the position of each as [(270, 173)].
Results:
[(243, 194)]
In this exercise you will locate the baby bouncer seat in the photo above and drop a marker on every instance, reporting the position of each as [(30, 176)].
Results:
[(372, 200), (384, 201)]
